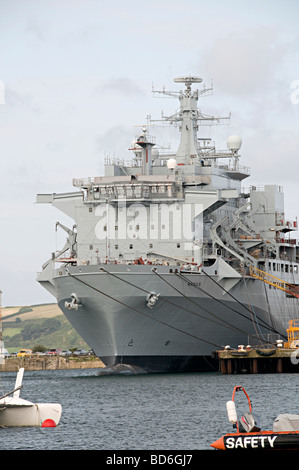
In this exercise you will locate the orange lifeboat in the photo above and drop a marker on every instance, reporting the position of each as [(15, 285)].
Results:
[(249, 436)]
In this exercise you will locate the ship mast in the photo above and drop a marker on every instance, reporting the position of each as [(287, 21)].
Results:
[(188, 117), (188, 114)]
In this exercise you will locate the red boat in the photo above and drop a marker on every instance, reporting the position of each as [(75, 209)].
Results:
[(248, 435)]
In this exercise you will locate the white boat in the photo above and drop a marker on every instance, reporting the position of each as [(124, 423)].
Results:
[(15, 411)]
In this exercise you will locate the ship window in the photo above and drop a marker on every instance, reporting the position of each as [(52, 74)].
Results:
[(116, 247), (295, 268), (90, 209), (150, 245), (131, 247), (90, 247), (105, 228), (116, 227), (274, 267), (178, 245), (282, 268), (287, 268)]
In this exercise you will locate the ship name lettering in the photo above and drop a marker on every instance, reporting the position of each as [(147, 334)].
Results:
[(196, 284)]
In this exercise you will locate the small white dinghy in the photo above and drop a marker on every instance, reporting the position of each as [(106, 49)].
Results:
[(15, 411)]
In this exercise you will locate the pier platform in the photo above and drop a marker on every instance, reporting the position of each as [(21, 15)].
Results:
[(258, 360)]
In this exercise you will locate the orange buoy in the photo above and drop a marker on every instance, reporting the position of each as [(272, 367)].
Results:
[(48, 423)]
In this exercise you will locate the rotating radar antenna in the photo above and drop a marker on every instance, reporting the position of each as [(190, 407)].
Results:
[(188, 80)]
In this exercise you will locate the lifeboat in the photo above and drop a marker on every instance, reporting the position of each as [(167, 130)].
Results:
[(249, 436)]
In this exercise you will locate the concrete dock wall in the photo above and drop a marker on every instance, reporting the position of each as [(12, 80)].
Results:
[(13, 364)]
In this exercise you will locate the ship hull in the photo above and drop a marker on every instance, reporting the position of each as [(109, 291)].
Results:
[(193, 316)]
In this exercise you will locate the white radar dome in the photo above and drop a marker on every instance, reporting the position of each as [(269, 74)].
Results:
[(171, 164), (234, 142)]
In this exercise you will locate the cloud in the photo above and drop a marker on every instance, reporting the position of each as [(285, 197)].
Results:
[(124, 86), (245, 64), (115, 142), (273, 156), (39, 29)]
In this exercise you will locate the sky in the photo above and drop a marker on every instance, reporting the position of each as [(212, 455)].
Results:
[(76, 80)]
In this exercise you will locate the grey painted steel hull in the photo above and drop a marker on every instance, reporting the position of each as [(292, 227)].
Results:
[(192, 318)]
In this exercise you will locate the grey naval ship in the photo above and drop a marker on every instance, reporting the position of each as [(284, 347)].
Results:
[(170, 258)]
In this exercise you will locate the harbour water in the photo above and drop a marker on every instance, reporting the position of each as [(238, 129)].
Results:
[(143, 412)]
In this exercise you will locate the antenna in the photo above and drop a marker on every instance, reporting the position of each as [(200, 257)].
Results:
[(188, 80)]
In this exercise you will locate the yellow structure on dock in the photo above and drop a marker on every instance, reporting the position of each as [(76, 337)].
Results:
[(293, 334), (274, 281)]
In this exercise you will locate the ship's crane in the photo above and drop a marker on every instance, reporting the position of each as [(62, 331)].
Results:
[(70, 243), (274, 281)]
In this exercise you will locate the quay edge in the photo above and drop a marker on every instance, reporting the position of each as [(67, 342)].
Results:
[(13, 364), (258, 361)]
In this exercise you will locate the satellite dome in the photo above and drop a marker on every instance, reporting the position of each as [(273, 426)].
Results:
[(171, 164), (234, 142)]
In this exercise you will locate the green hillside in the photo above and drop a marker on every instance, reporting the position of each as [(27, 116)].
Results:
[(31, 325)]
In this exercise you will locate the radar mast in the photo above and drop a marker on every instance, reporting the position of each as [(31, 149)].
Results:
[(188, 117)]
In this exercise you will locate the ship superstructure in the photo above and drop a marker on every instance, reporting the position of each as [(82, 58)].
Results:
[(157, 270)]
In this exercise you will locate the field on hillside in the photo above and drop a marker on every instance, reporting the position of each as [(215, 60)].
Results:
[(32, 312), (32, 325)]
